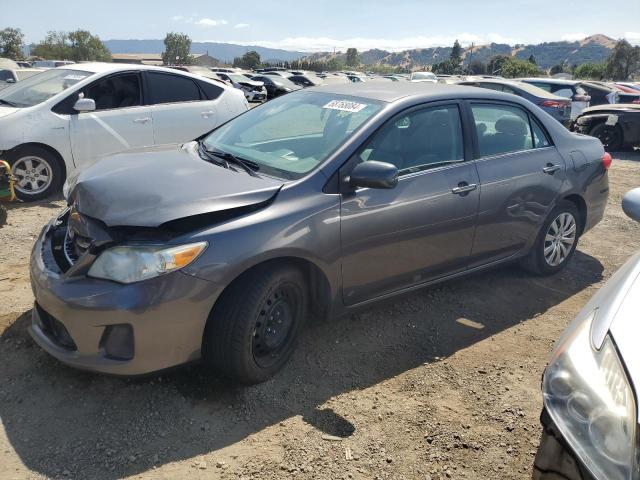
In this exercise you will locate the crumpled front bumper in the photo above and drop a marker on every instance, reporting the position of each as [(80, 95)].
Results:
[(165, 316), (554, 459)]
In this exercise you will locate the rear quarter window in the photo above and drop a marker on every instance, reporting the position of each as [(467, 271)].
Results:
[(210, 90)]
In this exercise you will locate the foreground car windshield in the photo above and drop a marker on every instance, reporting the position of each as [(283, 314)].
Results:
[(293, 134), (41, 87)]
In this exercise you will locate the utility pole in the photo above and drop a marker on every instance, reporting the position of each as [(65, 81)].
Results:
[(470, 57)]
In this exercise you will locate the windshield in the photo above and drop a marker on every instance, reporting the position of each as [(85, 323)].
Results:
[(281, 81), (423, 76), (41, 87), (238, 78), (291, 135)]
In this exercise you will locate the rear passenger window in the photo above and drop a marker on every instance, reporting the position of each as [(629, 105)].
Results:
[(210, 90), (418, 140), (501, 129), (540, 139), (166, 88)]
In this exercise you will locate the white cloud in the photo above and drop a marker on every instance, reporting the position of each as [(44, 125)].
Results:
[(241, 25), (326, 44), (177, 18), (633, 37), (210, 22), (573, 37)]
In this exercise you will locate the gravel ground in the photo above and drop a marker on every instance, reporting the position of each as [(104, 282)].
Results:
[(441, 383)]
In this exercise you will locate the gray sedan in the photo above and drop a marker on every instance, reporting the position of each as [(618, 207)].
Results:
[(308, 206)]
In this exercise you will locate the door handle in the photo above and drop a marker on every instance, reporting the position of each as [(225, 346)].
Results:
[(551, 169), (207, 114), (464, 188), (142, 120)]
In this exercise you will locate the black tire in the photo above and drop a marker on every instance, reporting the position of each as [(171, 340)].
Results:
[(535, 261), (243, 338), (611, 136), (51, 163)]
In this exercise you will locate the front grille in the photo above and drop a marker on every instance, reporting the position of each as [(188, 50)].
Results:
[(55, 330)]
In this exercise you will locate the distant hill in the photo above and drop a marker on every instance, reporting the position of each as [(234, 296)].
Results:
[(225, 52), (595, 48)]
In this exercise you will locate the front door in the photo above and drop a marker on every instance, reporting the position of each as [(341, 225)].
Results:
[(520, 172), (120, 121), (423, 228)]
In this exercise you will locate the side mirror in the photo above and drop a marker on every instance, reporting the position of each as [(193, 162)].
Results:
[(10, 80), (84, 105), (631, 204), (373, 174)]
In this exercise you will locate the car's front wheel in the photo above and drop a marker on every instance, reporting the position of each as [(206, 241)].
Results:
[(556, 242), (253, 328), (37, 171)]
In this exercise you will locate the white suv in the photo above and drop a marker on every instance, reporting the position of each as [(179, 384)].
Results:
[(68, 117)]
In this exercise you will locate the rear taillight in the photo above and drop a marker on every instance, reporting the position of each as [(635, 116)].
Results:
[(606, 160), (555, 103)]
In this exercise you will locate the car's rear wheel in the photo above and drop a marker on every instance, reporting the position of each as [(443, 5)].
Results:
[(611, 136), (556, 242), (37, 171), (253, 328)]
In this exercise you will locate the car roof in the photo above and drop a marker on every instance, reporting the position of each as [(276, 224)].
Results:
[(103, 67), (556, 81), (393, 91)]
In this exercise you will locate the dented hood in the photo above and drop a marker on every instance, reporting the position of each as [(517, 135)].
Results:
[(152, 186)]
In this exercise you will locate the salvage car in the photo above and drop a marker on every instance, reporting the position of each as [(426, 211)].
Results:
[(311, 205), (570, 89), (67, 117), (558, 107), (276, 85), (602, 93), (616, 126), (590, 415), (253, 90)]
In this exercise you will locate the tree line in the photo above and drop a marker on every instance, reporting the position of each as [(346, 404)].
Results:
[(79, 45)]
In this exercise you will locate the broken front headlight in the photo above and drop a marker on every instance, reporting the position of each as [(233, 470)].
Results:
[(128, 264), (589, 398)]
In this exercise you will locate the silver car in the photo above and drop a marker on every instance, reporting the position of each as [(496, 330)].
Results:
[(590, 415), (310, 205)]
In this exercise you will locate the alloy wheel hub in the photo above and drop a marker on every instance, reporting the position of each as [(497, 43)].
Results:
[(559, 239)]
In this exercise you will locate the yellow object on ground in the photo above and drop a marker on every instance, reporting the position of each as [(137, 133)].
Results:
[(7, 181)]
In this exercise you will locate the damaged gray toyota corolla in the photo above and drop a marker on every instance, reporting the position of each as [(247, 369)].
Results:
[(310, 205)]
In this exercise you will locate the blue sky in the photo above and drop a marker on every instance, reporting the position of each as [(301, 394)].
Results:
[(327, 24)]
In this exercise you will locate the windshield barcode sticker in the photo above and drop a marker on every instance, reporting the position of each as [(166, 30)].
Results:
[(345, 106)]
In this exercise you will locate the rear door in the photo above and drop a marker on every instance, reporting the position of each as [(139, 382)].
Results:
[(423, 228), (120, 121), (520, 174), (180, 108)]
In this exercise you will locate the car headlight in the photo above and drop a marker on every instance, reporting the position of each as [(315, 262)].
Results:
[(588, 396), (128, 264)]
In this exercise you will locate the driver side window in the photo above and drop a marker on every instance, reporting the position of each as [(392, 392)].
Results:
[(418, 140), (116, 91)]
